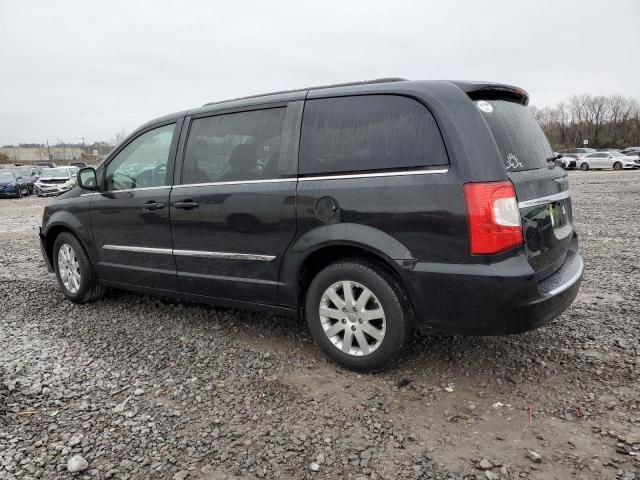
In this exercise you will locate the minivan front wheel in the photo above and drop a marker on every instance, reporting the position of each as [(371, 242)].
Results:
[(617, 166), (358, 315), (74, 272), (584, 167)]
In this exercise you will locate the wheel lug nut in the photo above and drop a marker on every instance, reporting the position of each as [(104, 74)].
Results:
[(344, 320), (359, 320), (353, 327)]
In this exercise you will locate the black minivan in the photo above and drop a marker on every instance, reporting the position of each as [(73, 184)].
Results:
[(371, 209)]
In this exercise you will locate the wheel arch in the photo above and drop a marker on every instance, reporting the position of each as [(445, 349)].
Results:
[(330, 243), (58, 224)]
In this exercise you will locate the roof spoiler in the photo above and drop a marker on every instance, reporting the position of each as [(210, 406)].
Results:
[(494, 91)]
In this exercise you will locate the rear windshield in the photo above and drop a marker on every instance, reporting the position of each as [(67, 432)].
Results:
[(520, 139)]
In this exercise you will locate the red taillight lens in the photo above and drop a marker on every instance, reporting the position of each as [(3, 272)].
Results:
[(494, 217)]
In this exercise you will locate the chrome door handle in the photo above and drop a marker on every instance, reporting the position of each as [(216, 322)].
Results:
[(153, 205), (186, 205)]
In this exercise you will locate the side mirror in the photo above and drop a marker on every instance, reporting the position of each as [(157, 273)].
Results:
[(87, 178)]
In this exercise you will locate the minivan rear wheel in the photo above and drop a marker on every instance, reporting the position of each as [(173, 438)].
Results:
[(74, 272), (617, 166), (359, 315), (584, 167)]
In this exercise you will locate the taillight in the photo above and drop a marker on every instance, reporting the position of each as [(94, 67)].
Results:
[(494, 217)]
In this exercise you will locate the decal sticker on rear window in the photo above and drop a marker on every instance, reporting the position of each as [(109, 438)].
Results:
[(513, 162)]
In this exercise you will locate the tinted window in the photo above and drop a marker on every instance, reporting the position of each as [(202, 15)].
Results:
[(142, 163), (369, 132), (234, 147), (520, 139)]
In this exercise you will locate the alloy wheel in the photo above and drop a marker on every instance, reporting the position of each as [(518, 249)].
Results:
[(352, 318), (69, 268)]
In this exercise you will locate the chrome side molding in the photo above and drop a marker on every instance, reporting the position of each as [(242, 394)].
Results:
[(191, 253), (227, 255)]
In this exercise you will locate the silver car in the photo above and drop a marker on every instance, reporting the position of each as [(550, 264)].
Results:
[(55, 181), (607, 160)]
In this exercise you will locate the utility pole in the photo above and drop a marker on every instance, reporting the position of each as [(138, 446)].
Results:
[(48, 151)]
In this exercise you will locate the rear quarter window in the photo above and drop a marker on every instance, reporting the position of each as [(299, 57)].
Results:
[(522, 143), (368, 133)]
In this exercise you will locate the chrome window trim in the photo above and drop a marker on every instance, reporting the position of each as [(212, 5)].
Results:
[(288, 180), (375, 174), (236, 182), (126, 190), (544, 200), (191, 253)]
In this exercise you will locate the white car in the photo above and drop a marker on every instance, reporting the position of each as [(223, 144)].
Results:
[(602, 160), (55, 181)]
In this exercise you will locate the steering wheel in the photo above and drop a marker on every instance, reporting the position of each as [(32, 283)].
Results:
[(128, 177)]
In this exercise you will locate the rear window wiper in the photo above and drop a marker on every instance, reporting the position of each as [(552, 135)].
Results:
[(554, 159)]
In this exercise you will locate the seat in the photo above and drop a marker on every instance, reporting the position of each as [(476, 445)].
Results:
[(242, 164)]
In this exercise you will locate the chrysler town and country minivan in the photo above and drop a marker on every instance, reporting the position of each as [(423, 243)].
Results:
[(371, 209)]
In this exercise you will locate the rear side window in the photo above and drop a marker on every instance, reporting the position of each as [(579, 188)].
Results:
[(520, 139), (368, 133), (234, 147)]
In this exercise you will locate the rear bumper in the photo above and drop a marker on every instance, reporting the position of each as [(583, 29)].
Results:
[(496, 299)]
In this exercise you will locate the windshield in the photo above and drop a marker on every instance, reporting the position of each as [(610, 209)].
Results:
[(7, 176), (520, 139), (56, 173)]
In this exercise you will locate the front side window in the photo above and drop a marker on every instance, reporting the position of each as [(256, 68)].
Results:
[(368, 133), (143, 162), (234, 147)]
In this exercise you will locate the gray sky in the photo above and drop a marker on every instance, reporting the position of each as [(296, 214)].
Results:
[(92, 68)]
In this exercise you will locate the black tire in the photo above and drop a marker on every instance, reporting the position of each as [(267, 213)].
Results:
[(617, 166), (19, 192), (89, 290), (392, 298), (584, 166)]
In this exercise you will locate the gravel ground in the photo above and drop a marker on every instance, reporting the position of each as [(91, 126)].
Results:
[(141, 387)]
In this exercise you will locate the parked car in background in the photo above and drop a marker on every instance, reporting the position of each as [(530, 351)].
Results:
[(566, 161), (606, 160), (78, 164), (46, 164), (12, 184), (577, 151), (29, 175), (608, 150), (55, 181), (400, 205), (630, 150), (570, 159)]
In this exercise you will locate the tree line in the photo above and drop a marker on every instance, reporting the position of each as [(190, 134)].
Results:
[(604, 120)]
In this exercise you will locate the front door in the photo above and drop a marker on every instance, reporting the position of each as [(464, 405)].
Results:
[(130, 215), (233, 215)]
